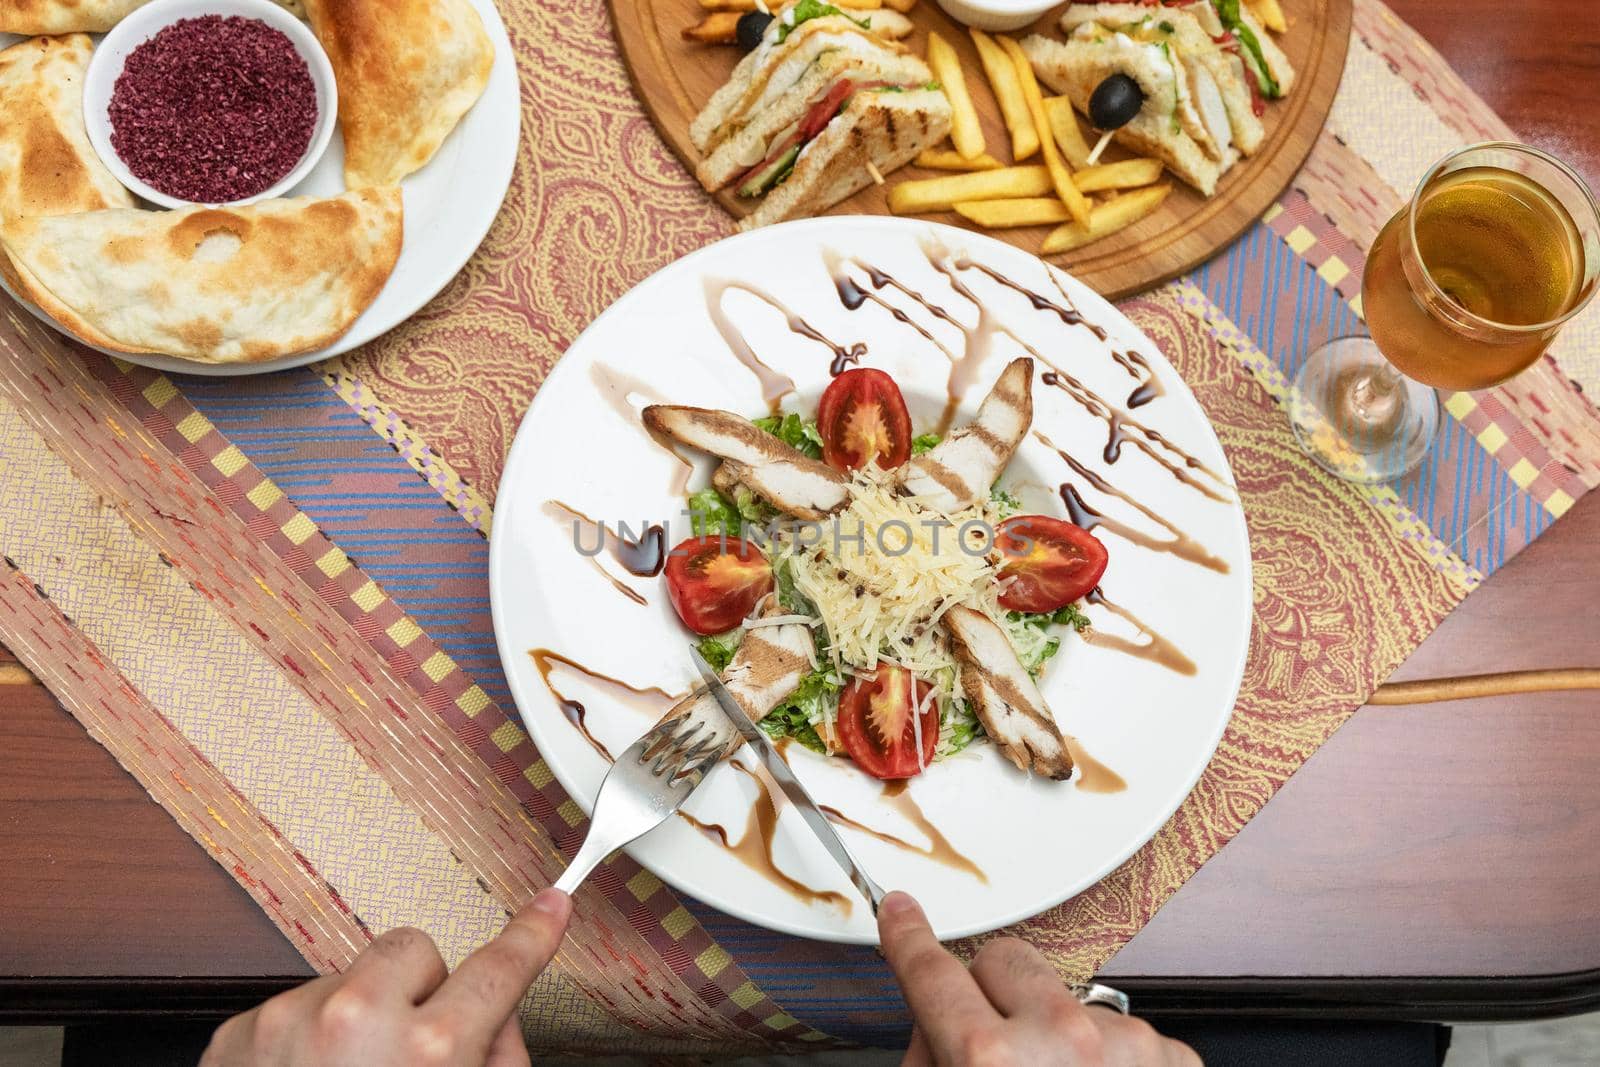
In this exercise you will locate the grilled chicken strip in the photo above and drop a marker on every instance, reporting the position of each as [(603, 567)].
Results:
[(769, 665), (1003, 696), (791, 481), (959, 470)]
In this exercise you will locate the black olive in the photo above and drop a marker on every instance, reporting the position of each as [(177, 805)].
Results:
[(752, 27), (1115, 102)]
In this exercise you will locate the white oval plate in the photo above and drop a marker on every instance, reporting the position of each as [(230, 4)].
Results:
[(1038, 842), (449, 207)]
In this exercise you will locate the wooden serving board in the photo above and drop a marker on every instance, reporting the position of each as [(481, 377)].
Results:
[(675, 78)]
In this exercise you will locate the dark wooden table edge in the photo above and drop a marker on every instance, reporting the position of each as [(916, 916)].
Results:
[(66, 1001)]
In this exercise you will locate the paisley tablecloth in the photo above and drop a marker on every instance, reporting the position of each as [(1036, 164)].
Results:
[(267, 597)]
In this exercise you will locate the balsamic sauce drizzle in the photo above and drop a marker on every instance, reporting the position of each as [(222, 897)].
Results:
[(642, 558), (1155, 648), (615, 387), (653, 700), (1180, 544), (754, 847), (1149, 386), (774, 386)]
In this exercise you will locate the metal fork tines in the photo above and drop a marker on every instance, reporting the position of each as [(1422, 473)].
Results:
[(648, 783)]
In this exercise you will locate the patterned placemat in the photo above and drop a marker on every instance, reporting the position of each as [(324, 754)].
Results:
[(268, 597)]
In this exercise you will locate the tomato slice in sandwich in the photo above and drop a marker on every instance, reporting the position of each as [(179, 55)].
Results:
[(714, 583), (823, 111), (862, 418), (1050, 561), (880, 721)]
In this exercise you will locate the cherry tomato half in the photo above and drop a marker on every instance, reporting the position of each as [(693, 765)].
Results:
[(714, 583), (862, 417), (877, 723), (1052, 561)]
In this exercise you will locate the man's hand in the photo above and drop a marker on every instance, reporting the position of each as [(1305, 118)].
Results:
[(1009, 1008), (397, 1004)]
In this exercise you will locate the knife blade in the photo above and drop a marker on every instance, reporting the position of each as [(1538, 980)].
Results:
[(779, 769)]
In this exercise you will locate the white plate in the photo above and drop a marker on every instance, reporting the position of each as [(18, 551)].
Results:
[(1037, 841), (449, 207)]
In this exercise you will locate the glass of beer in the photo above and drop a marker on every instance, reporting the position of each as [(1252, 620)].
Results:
[(1465, 287)]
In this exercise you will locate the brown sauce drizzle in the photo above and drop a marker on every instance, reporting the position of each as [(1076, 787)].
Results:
[(643, 558), (852, 295), (1093, 776), (651, 700), (1155, 648), (754, 846), (774, 386), (1064, 311), (615, 387), (1179, 544), (1122, 429), (1149, 386), (938, 849)]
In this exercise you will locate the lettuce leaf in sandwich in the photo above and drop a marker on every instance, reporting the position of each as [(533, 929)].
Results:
[(1228, 12), (806, 10)]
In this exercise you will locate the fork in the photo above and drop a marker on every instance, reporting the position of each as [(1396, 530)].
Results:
[(649, 782)]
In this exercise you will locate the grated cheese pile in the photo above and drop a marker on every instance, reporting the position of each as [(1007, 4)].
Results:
[(883, 572)]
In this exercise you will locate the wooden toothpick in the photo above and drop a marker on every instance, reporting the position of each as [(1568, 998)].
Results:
[(1099, 146), (877, 175)]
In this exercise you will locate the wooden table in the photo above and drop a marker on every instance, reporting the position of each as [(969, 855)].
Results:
[(1429, 861)]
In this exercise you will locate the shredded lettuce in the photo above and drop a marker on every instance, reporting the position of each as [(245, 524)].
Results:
[(958, 728), (718, 649), (798, 715), (795, 432), (924, 442), (712, 513), (806, 10), (1004, 503), (1030, 634)]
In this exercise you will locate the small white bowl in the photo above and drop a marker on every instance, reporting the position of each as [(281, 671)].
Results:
[(997, 15), (144, 23)]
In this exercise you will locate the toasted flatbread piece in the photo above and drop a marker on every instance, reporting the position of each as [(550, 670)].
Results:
[(885, 129), (32, 17), (47, 166), (218, 285), (1077, 66), (407, 70)]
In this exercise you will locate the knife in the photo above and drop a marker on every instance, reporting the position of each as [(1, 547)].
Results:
[(778, 768)]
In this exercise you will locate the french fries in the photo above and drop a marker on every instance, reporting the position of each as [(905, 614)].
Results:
[(941, 194), (1022, 211), (902, 6), (1060, 176), (1008, 94), (1107, 218), (965, 132), (1064, 127), (950, 159), (1270, 14), (719, 27), (1127, 174)]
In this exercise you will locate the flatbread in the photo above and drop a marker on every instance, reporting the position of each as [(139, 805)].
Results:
[(31, 17), (407, 70), (47, 166), (218, 285)]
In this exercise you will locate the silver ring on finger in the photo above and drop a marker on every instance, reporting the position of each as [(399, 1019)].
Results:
[(1104, 995)]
